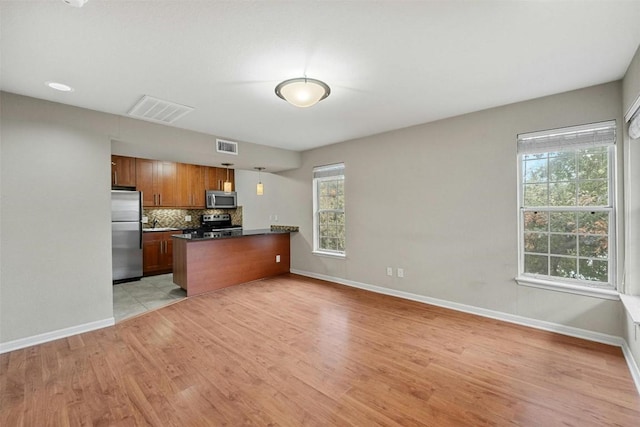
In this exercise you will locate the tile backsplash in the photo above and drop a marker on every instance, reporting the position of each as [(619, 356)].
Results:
[(175, 217)]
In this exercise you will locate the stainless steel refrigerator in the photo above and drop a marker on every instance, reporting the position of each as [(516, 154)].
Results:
[(126, 235)]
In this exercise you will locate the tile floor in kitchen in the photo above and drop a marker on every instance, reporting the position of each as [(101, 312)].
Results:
[(133, 298)]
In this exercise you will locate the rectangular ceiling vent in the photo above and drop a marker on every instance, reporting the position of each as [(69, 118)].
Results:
[(227, 147), (157, 110)]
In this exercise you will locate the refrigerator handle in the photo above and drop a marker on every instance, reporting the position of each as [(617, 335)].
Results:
[(140, 217)]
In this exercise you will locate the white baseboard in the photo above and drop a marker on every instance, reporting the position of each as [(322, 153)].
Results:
[(6, 347), (631, 363), (498, 315)]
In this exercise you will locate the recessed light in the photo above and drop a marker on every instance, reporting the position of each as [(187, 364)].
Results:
[(59, 86)]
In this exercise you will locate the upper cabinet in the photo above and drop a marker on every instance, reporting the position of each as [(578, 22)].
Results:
[(215, 178), (123, 171), (157, 181), (169, 184), (190, 186)]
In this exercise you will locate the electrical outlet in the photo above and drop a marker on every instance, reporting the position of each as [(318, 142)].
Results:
[(277, 258), (187, 218), (401, 272), (145, 219), (275, 218), (389, 271)]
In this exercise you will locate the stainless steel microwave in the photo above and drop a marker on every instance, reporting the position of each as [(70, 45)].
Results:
[(221, 200)]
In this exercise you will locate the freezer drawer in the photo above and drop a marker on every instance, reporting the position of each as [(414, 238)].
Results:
[(126, 250)]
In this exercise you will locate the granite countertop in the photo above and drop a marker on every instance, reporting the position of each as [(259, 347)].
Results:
[(243, 233), (157, 229)]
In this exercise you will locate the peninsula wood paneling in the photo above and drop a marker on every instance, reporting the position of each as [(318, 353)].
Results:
[(207, 265)]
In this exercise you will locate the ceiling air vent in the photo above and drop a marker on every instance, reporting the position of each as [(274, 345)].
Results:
[(157, 110), (227, 147)]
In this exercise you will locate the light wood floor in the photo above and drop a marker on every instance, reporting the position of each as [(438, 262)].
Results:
[(293, 351)]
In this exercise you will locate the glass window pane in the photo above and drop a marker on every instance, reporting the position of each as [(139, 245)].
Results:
[(594, 246), (536, 264), (560, 237), (563, 222), (563, 267), (323, 242), (594, 270), (562, 166), (536, 221), (593, 222), (536, 242), (535, 170), (536, 195), (593, 193), (593, 163), (562, 194), (563, 244)]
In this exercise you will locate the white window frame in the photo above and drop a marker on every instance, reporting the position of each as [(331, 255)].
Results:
[(322, 170), (575, 286)]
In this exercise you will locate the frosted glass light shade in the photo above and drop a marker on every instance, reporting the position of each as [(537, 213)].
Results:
[(260, 189), (303, 92), (227, 186)]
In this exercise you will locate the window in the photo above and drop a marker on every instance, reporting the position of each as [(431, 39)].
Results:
[(328, 210), (566, 213)]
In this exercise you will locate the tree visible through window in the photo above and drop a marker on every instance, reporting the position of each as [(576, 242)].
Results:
[(329, 218), (566, 204)]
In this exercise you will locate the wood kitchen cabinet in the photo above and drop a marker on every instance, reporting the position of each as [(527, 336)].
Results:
[(157, 252), (157, 181), (190, 186), (215, 178), (123, 171)]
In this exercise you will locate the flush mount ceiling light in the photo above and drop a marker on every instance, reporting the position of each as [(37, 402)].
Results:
[(303, 92), (59, 86), (260, 186)]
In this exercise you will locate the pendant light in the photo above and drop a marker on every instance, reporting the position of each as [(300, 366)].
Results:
[(302, 91), (260, 186), (226, 187)]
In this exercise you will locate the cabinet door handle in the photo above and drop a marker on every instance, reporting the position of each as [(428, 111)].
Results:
[(115, 177), (160, 199), (154, 199)]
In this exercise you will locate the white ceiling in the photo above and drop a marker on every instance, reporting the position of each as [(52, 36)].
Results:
[(390, 64)]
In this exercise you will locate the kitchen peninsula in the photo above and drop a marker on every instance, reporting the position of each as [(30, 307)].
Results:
[(204, 264)]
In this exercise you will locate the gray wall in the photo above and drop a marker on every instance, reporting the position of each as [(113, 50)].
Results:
[(449, 189), (631, 91), (55, 222), (261, 211), (449, 186), (631, 83), (55, 269)]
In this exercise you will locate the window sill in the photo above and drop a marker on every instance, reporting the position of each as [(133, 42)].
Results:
[(330, 254), (565, 287), (632, 305)]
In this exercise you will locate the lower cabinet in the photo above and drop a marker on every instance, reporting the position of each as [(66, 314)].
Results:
[(157, 252)]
